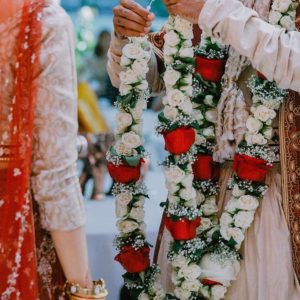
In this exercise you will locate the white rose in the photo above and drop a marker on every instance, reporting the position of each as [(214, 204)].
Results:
[(125, 89), (140, 66), (244, 219), (187, 89), (268, 132), (170, 112), (192, 285), (200, 139), (123, 119), (209, 100), (179, 262), (143, 85), (281, 5), (137, 128), (182, 294), (200, 198), (188, 80), (173, 199), (184, 27), (226, 220), (174, 174), (123, 199), (186, 52), (131, 140), (247, 202), (255, 139), (170, 51), (271, 103), (187, 194), (237, 192), (233, 233), (190, 272), (169, 59), (172, 188), (172, 38), (188, 181), (140, 203), (127, 226), (211, 200), (274, 17), (171, 77), (133, 51), (205, 224), (211, 115), (191, 203), (197, 115), (121, 211), (209, 131), (254, 125), (139, 108), (176, 98), (287, 22), (264, 113), (186, 107), (209, 209), (125, 61), (122, 148), (137, 213), (129, 77), (213, 269), (218, 292), (144, 296)]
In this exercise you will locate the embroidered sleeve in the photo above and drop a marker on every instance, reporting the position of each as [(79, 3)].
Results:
[(54, 176)]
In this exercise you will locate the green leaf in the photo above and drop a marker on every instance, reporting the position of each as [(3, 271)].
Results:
[(188, 60), (216, 236), (132, 161), (231, 243), (162, 118)]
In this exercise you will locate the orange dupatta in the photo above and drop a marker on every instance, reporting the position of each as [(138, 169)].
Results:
[(18, 277)]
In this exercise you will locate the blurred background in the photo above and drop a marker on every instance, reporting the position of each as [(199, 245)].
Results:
[(96, 95)]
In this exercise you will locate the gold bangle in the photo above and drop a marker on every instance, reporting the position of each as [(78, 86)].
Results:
[(76, 292)]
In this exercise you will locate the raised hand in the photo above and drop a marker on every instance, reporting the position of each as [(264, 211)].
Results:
[(131, 19), (187, 9)]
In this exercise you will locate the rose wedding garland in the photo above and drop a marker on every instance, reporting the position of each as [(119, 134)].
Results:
[(252, 161), (125, 160), (204, 254)]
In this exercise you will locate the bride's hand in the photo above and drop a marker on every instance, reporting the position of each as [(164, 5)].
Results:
[(187, 9), (131, 19)]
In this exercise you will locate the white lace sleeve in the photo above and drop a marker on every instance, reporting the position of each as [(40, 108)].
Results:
[(54, 176)]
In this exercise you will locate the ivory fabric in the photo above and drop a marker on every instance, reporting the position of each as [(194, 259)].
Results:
[(271, 50), (54, 181)]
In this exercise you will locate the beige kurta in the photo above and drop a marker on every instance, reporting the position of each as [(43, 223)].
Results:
[(267, 270)]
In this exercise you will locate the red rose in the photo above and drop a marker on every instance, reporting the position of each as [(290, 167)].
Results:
[(209, 282), (180, 140), (250, 168), (134, 261), (183, 229), (210, 69), (124, 173), (204, 168), (261, 76)]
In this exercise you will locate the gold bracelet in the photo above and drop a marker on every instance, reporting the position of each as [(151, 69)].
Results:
[(76, 292)]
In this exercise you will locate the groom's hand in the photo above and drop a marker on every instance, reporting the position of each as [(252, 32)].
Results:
[(131, 19), (187, 9)]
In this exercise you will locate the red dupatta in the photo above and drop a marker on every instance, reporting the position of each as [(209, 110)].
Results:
[(18, 277)]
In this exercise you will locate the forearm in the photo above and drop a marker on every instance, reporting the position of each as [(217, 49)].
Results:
[(272, 51), (71, 248)]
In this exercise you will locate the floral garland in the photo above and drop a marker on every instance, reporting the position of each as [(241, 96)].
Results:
[(177, 124), (253, 159), (125, 160)]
